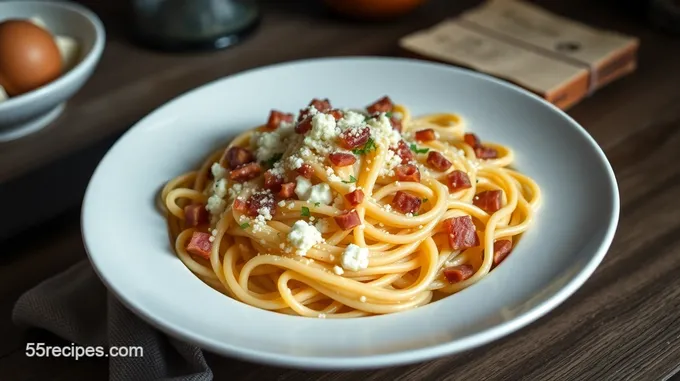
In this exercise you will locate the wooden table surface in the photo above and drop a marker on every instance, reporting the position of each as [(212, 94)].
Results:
[(624, 323)]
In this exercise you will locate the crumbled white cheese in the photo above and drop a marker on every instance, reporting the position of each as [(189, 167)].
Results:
[(268, 144), (338, 270), (235, 190), (294, 162), (215, 205), (218, 171), (392, 160), (362, 299), (320, 193), (303, 237), (282, 203), (355, 258), (220, 187), (350, 119), (322, 316), (303, 188), (323, 127), (387, 207)]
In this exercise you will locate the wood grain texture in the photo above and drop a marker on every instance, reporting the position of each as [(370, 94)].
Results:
[(623, 324)]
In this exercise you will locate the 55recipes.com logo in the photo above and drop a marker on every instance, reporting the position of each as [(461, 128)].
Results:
[(77, 351)]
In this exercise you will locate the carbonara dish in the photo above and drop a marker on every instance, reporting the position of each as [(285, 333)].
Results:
[(342, 213)]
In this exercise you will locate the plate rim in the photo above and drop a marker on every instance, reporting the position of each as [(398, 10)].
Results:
[(402, 357)]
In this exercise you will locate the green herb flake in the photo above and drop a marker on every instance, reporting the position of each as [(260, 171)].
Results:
[(352, 179), (425, 200), (317, 204), (305, 212), (368, 147), (244, 225), (388, 114), (417, 150)]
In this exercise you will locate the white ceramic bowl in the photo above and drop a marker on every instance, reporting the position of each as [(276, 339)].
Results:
[(34, 110), (127, 242)]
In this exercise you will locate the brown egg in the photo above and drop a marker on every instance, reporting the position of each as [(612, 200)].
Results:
[(373, 8), (29, 57)]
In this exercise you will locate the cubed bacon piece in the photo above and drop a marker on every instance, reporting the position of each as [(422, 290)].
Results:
[(355, 197), (258, 201), (200, 245), (472, 140), (342, 159), (287, 191), (322, 105), (383, 104), (455, 274), (404, 152), (437, 161), (239, 205), (481, 152), (396, 123), (306, 171), (246, 172), (425, 135), (236, 157), (276, 117), (501, 249), (337, 114), (348, 221), (489, 201), (458, 180), (304, 126), (272, 181), (406, 203), (354, 137), (407, 172), (462, 232), (195, 214), (484, 152)]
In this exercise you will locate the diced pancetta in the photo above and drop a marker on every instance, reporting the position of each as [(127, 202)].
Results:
[(455, 274), (355, 197), (246, 172), (276, 117), (200, 245), (462, 232), (342, 159), (348, 220), (383, 104), (407, 172), (236, 157), (425, 135), (458, 180), (437, 161), (195, 214), (489, 201), (406, 203)]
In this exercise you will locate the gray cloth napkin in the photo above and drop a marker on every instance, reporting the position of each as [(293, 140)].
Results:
[(76, 306)]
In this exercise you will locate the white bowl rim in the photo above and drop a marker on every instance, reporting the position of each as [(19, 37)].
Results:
[(79, 70), (403, 357)]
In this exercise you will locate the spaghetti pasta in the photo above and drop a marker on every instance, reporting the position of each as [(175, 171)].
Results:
[(346, 213)]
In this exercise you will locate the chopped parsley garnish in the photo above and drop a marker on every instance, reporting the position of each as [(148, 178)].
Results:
[(270, 163), (352, 179), (244, 225), (415, 149), (317, 204), (368, 147), (425, 200), (388, 114), (305, 212)]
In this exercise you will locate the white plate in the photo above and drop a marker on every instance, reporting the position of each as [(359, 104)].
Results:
[(127, 242)]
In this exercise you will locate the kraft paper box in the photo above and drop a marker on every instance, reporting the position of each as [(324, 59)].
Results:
[(559, 59)]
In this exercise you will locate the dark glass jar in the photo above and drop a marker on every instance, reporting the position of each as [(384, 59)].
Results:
[(193, 24)]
